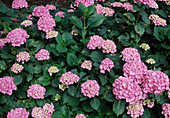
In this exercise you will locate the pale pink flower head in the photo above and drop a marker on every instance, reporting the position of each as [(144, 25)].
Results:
[(51, 34), (135, 70), (106, 64), (69, 78), (157, 20), (60, 13), (43, 54), (50, 7), (116, 4), (153, 4), (84, 2), (87, 64), (41, 11), (7, 85), (27, 23), (17, 37), (95, 41), (104, 10), (48, 109), (148, 103), (130, 54), (108, 46), (16, 4), (38, 112), (80, 116), (17, 68), (18, 113), (90, 88), (166, 110), (23, 56), (135, 110), (125, 88), (53, 69), (127, 6), (155, 82), (36, 91), (2, 42), (143, 1)]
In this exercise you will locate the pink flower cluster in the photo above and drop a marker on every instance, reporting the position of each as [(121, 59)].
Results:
[(43, 54), (23, 56), (38, 112), (2, 42), (80, 116), (108, 46), (52, 70), (100, 0), (135, 70), (16, 4), (104, 10), (153, 4), (17, 37), (157, 20), (106, 64), (84, 2), (50, 7), (86, 65), (41, 11), (27, 23), (166, 110), (69, 78), (36, 91), (60, 13), (125, 88), (127, 6), (18, 113), (135, 110), (90, 88), (155, 82), (17, 68), (95, 41), (130, 54), (48, 109), (143, 1), (51, 34), (148, 103), (7, 85)]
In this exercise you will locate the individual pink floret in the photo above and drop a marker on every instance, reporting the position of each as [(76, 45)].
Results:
[(50, 7), (18, 113), (166, 110), (27, 23), (48, 109), (86, 65), (36, 91), (125, 88), (7, 85), (23, 56), (106, 64), (69, 78), (90, 88), (16, 4), (155, 82), (41, 11), (60, 13), (95, 41), (108, 46), (17, 68), (157, 20), (43, 54), (38, 112), (80, 116)]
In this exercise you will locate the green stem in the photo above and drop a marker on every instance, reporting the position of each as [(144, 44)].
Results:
[(84, 27), (139, 14)]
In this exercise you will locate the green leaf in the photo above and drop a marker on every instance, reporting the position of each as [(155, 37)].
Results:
[(91, 9), (2, 65), (29, 77), (165, 46), (73, 102), (119, 107), (140, 29), (96, 56), (63, 110), (126, 116), (95, 20), (6, 56), (86, 107), (61, 48), (109, 96), (103, 79), (72, 90), (95, 103), (3, 8), (71, 59), (145, 17), (43, 81), (18, 79), (57, 18), (75, 20), (130, 16), (7, 28), (83, 8), (146, 114), (41, 102), (124, 40)]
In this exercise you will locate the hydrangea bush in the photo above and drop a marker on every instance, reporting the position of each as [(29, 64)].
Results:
[(98, 59)]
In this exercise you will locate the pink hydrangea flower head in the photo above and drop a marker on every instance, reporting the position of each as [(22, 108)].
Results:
[(108, 46), (17, 37), (60, 13), (7, 85), (116, 4), (48, 109), (69, 78), (2, 42), (155, 82), (16, 4), (51, 34), (90, 88), (50, 7), (38, 112), (148, 103), (153, 4), (104, 10), (100, 0), (17, 68), (134, 70), (84, 2), (130, 54), (41, 11), (157, 20), (95, 41), (43, 54), (18, 113), (27, 23), (127, 6), (36, 91), (80, 116), (143, 1), (86, 65), (23, 56), (53, 69), (46, 24), (135, 110), (125, 88), (106, 64), (166, 110)]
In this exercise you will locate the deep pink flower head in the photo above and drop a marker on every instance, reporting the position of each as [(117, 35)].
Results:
[(108, 46), (17, 68), (135, 110), (80, 116), (130, 54), (2, 42), (95, 41), (7, 85), (48, 109), (43, 54), (86, 65), (18, 113), (84, 2), (166, 110), (36, 91), (16, 4), (23, 56), (38, 112), (125, 88), (157, 20), (134, 70), (69, 78), (46, 24), (106, 64), (155, 82), (41, 11), (60, 13), (90, 88), (17, 37), (50, 7)]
